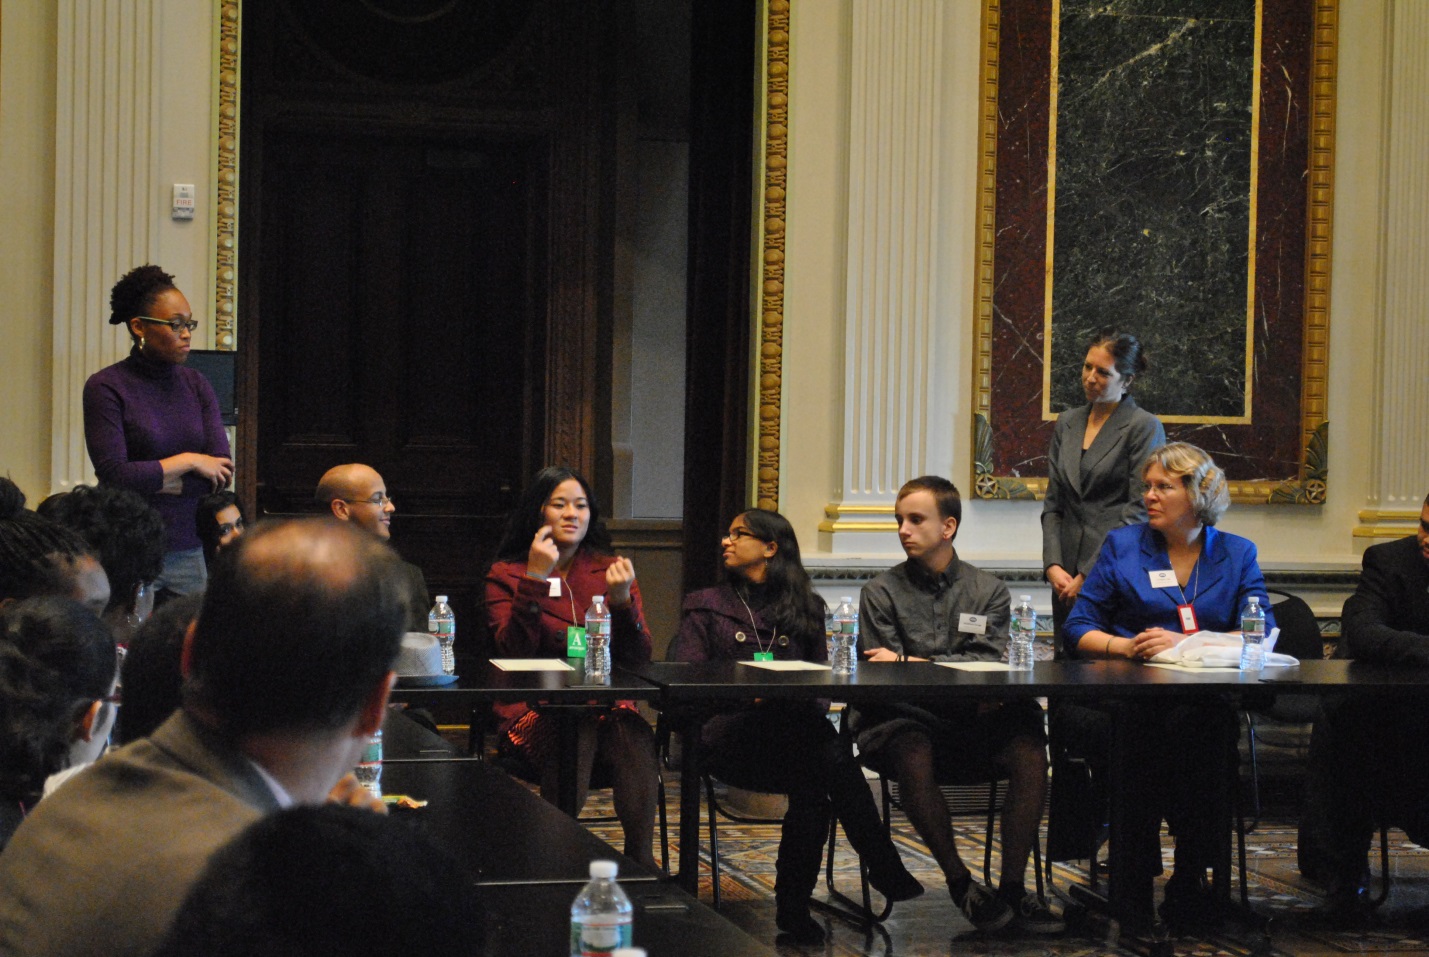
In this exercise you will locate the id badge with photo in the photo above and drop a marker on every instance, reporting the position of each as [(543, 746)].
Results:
[(1188, 619)]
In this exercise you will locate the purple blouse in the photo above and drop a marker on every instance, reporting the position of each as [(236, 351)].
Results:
[(139, 411)]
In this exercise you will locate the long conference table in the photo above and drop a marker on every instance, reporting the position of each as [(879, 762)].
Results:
[(529, 860), (715, 682), (673, 684)]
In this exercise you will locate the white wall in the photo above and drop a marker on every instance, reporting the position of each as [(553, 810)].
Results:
[(27, 139)]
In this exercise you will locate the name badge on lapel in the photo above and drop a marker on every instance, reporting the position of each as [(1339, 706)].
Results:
[(1163, 579), (973, 624)]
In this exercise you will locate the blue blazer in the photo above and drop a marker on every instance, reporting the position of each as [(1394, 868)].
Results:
[(1118, 598)]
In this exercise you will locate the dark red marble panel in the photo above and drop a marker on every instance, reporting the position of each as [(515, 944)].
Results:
[(1270, 447)]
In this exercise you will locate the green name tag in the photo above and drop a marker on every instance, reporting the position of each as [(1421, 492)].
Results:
[(764, 656), (575, 642)]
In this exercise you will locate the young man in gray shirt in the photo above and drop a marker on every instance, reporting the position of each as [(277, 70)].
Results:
[(936, 607)]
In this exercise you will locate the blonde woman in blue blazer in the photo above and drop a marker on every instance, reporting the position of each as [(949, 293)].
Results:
[(1094, 468), (1153, 585)]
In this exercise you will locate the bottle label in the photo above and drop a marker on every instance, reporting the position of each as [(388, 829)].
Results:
[(575, 642), (598, 936), (445, 628)]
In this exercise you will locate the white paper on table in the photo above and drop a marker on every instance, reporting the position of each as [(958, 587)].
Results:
[(786, 665), (531, 664), (975, 665), (1191, 669)]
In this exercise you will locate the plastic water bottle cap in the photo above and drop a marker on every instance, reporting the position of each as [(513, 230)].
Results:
[(847, 600), (1027, 598), (597, 598), (441, 599), (628, 952), (604, 869)]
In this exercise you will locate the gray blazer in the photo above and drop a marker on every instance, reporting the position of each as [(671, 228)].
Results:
[(102, 865), (1077, 513)]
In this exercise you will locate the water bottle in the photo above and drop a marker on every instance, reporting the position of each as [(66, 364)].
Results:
[(597, 639), (1023, 635), (441, 623), (1252, 631), (369, 769), (829, 633), (844, 659), (600, 914)]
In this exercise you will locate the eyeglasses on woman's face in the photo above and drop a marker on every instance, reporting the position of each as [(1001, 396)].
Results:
[(738, 532), (180, 326)]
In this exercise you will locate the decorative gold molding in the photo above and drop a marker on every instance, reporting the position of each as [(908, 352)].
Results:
[(1386, 523), (771, 166), (1310, 484), (986, 243), (858, 518), (225, 209)]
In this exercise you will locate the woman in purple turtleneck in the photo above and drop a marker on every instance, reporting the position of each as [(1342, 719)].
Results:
[(152, 425)]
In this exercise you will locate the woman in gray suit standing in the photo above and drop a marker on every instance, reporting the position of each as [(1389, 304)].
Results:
[(1094, 468)]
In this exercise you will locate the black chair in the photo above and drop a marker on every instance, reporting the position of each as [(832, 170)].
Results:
[(980, 799)]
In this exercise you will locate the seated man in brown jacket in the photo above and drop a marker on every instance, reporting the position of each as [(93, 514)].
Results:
[(287, 673)]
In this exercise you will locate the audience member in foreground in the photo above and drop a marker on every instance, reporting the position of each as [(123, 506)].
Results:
[(1153, 585), (287, 674), (151, 675), (937, 607), (127, 535), (329, 882), (356, 493), (56, 673), (1369, 757), (768, 607), (41, 557), (554, 556)]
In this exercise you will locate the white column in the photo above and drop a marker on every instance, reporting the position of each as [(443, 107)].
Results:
[(898, 402), (106, 196), (1401, 456)]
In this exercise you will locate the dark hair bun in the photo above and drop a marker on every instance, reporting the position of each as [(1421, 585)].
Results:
[(135, 292)]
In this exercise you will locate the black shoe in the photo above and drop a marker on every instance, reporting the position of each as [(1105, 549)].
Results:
[(893, 881), (1347, 907), (1189, 905), (983, 909), (794, 921)]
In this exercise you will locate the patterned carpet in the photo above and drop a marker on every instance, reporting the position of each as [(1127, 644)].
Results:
[(931, 925)]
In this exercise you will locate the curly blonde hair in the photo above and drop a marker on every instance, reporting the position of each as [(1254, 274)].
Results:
[(1204, 480)]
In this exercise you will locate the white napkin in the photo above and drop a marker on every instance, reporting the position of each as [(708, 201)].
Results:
[(1214, 649)]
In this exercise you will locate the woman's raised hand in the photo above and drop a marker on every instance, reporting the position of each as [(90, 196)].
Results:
[(618, 579), (544, 555)]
